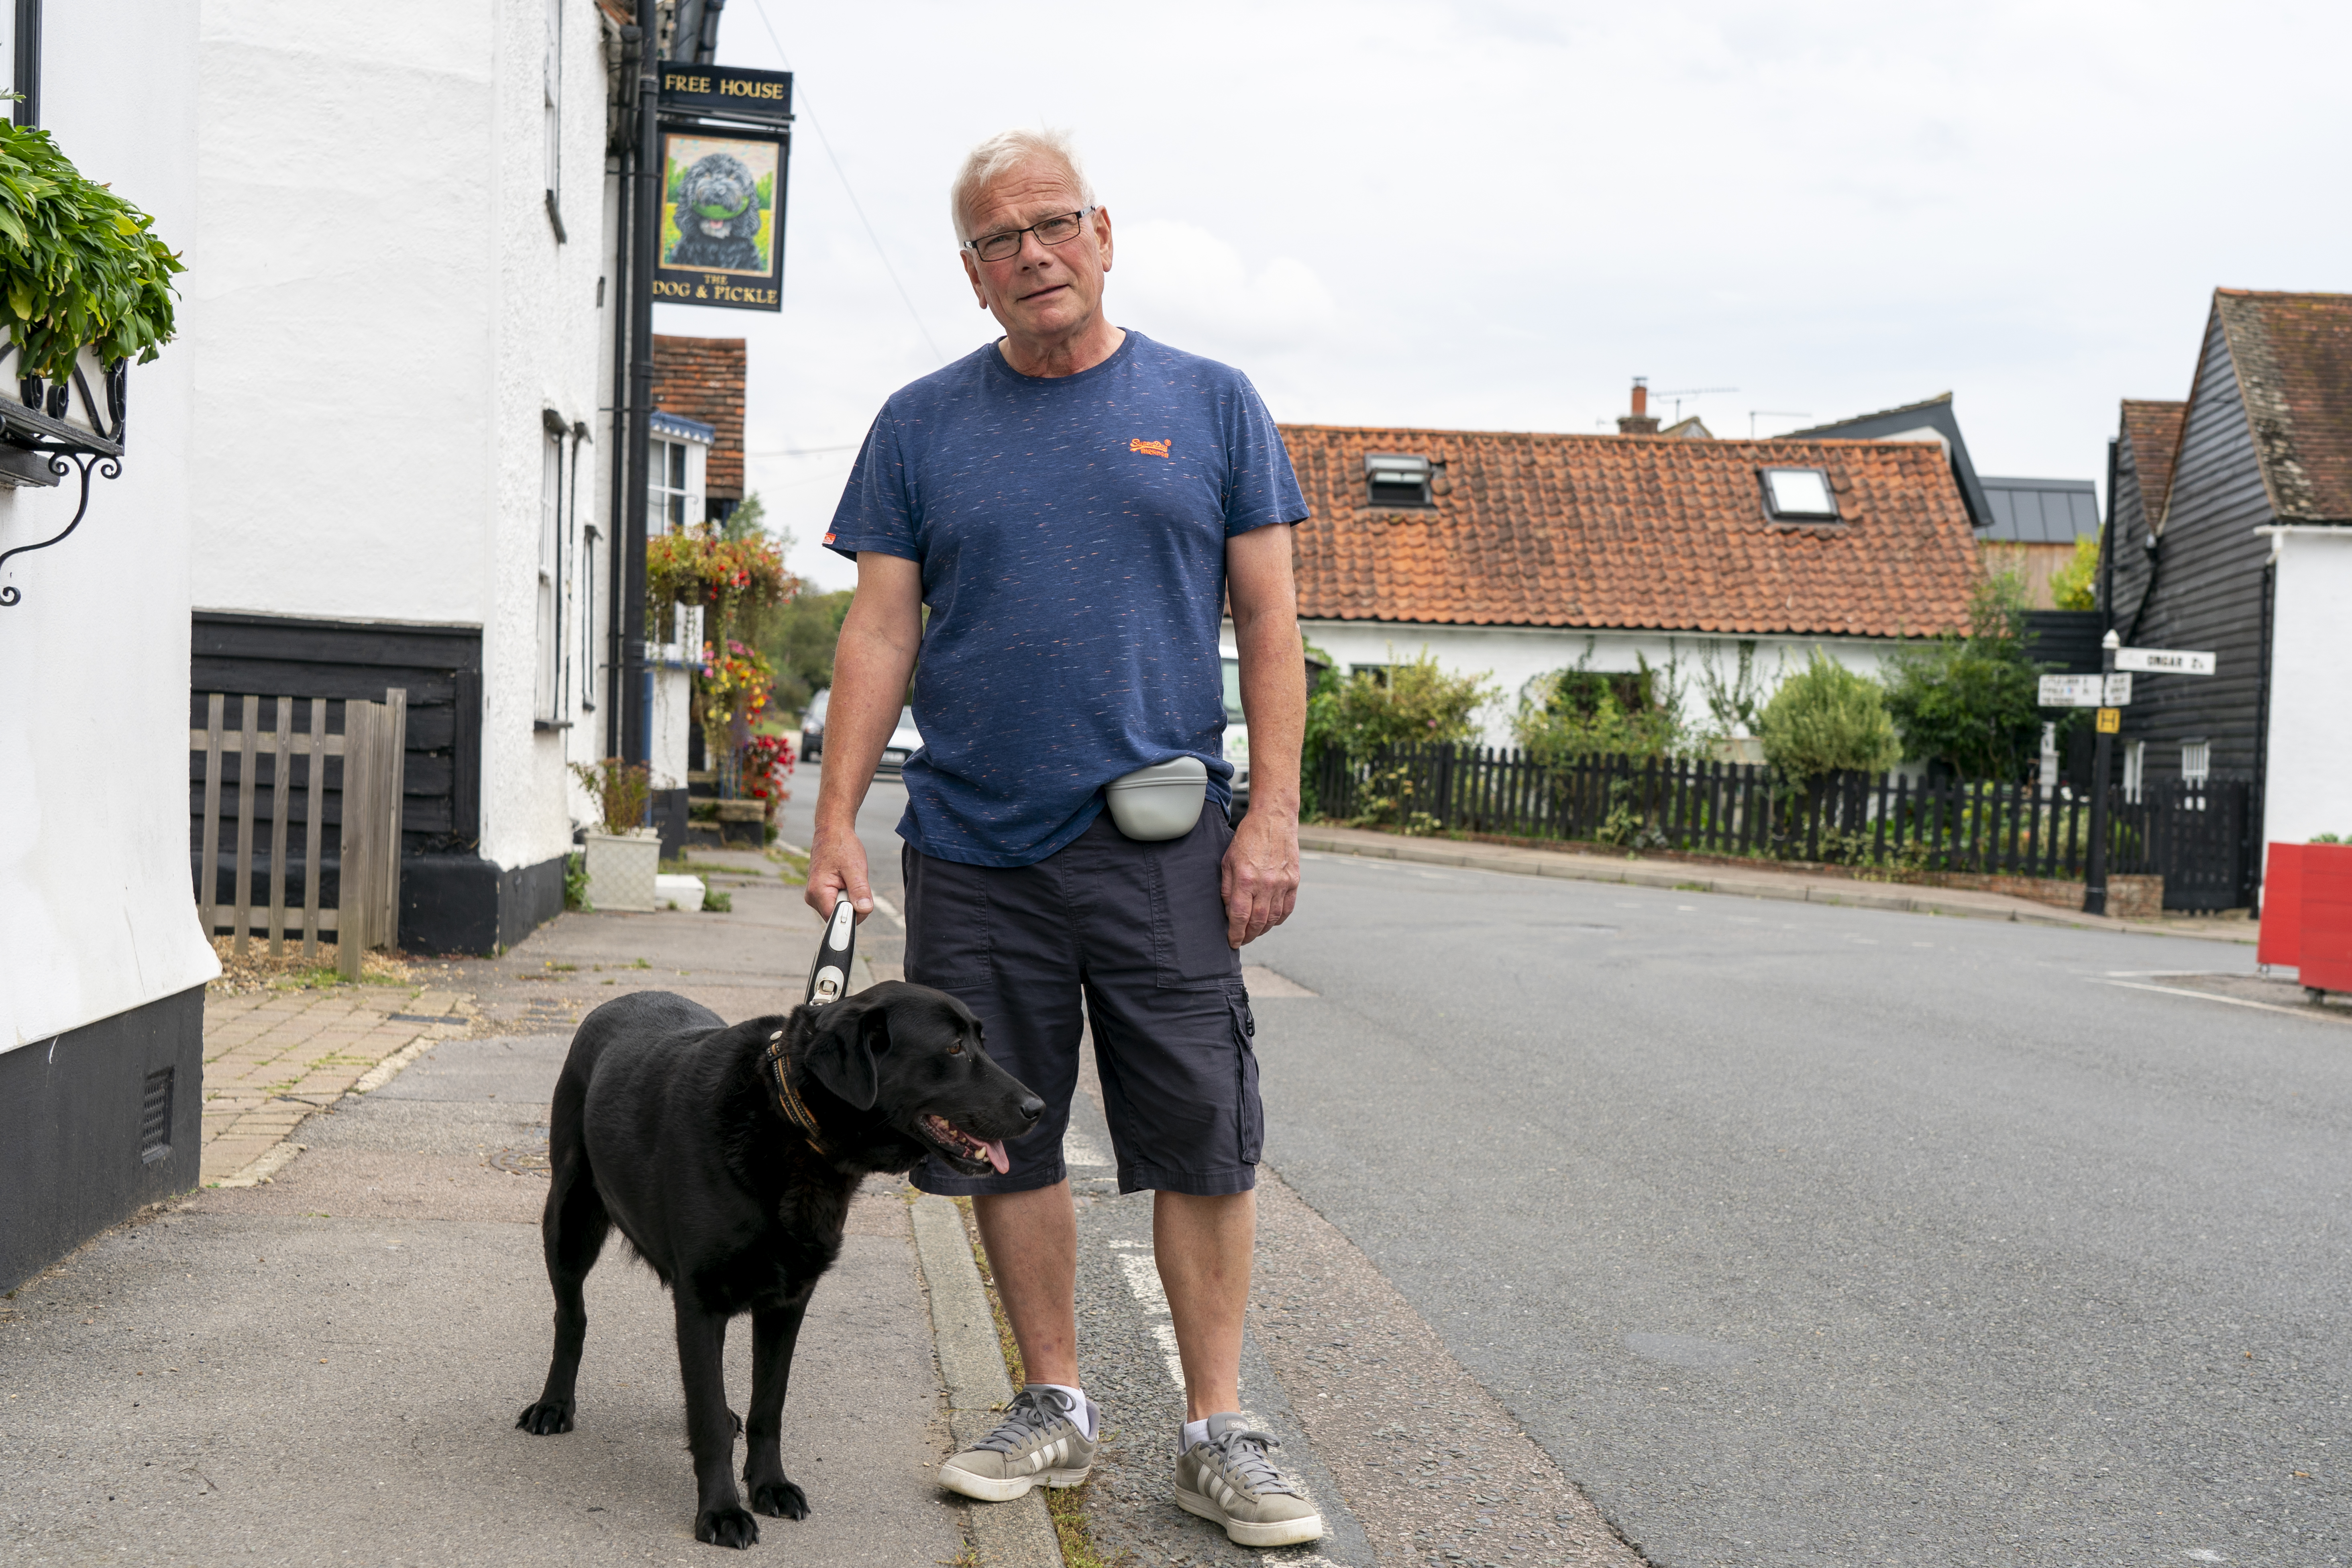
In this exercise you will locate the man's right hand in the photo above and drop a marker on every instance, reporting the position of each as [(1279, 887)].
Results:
[(838, 866)]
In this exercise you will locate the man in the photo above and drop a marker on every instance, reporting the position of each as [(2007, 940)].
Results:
[(1076, 504)]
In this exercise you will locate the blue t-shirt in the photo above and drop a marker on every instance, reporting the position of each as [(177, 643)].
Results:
[(1072, 535)]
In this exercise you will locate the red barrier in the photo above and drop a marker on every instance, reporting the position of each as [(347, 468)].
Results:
[(2281, 906), (2323, 948)]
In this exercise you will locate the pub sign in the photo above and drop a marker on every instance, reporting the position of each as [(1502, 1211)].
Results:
[(723, 206)]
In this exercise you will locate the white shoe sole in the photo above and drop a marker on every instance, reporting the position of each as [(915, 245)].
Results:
[(1279, 1533), (990, 1489)]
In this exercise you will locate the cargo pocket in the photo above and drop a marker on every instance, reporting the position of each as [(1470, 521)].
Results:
[(1190, 896), (948, 923), (1248, 1111)]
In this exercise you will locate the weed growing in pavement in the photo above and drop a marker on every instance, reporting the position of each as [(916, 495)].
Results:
[(640, 963), (575, 882), (562, 968), (791, 864), (1066, 1505), (718, 903)]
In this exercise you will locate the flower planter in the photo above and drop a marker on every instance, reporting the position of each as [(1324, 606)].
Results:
[(621, 867)]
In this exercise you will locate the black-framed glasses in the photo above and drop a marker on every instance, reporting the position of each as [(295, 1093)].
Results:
[(1059, 230)]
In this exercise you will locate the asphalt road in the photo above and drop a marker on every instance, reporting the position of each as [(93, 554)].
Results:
[(1805, 1235)]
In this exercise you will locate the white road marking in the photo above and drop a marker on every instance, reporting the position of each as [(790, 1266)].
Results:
[(883, 906), (1142, 1273), (2231, 1001)]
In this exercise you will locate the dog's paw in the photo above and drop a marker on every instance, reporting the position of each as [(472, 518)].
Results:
[(546, 1417), (779, 1499), (729, 1526)]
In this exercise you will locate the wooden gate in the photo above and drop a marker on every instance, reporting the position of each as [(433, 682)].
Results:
[(280, 776)]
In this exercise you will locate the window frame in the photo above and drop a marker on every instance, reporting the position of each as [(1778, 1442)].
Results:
[(552, 116), (1376, 463), (1772, 504), (547, 681)]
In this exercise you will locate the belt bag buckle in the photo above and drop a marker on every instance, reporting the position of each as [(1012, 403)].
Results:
[(1163, 800)]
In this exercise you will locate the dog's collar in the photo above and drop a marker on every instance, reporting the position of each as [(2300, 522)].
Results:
[(779, 1058)]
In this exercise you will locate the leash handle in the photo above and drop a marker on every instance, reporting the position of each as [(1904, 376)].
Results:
[(829, 973)]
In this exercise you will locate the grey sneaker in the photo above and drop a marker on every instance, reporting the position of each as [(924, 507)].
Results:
[(1038, 1440), (1227, 1479)]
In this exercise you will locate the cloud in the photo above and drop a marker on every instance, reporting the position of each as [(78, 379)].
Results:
[(1190, 288)]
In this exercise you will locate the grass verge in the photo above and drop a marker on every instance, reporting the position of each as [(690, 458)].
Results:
[(1066, 1506)]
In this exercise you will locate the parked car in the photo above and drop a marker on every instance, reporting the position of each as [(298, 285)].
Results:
[(1236, 732), (812, 726), (904, 743)]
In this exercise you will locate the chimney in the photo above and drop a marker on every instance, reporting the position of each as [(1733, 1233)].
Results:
[(1641, 422)]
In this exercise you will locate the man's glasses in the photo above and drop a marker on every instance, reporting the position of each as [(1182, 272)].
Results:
[(1059, 230)]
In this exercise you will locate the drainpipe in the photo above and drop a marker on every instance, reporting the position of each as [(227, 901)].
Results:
[(629, 576), (624, 276), (2107, 548)]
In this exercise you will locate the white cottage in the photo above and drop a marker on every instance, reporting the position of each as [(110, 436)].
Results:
[(1516, 554), (401, 313), (102, 968)]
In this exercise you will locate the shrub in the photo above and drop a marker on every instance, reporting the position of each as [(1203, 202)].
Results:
[(1971, 702), (79, 266), (1565, 714), (622, 790), (1825, 719), (1414, 701)]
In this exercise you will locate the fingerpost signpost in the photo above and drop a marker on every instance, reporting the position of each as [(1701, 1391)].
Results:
[(2110, 692)]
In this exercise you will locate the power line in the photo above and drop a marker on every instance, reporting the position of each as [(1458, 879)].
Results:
[(824, 142)]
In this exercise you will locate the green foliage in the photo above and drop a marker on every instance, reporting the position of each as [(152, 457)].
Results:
[(1735, 704), (799, 639), (717, 903), (1567, 714), (1971, 702), (1825, 719), (2074, 586), (1406, 703), (2325, 838), (622, 791), (575, 882), (1322, 728), (78, 265)]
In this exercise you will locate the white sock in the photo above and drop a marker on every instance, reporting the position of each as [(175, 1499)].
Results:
[(1195, 1432), (1082, 1409)]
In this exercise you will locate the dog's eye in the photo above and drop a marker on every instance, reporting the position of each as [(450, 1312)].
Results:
[(956, 1047)]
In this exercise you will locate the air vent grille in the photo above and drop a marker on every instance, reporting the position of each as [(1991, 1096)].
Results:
[(155, 1118)]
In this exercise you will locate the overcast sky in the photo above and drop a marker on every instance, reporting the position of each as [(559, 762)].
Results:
[(1494, 215)]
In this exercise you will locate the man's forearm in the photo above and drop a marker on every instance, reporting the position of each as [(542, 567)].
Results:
[(1274, 700)]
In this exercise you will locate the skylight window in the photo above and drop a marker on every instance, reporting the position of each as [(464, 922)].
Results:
[(1800, 494), (1397, 480)]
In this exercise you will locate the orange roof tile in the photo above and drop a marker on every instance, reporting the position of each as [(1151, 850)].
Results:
[(702, 378), (1634, 531)]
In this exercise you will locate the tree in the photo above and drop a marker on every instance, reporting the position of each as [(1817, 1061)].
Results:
[(1971, 702), (2074, 586), (1826, 719)]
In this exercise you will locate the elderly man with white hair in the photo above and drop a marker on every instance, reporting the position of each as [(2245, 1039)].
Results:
[(1077, 504)]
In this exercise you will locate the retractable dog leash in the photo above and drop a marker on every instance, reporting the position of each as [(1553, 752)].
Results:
[(829, 973)]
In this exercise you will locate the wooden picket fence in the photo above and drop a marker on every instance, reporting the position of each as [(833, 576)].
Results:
[(2194, 835), (364, 765)]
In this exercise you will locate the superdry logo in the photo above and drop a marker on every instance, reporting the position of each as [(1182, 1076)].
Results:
[(828, 539), (1148, 449)]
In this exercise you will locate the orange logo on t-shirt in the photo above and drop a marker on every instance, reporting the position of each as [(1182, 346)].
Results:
[(828, 539), (1148, 449)]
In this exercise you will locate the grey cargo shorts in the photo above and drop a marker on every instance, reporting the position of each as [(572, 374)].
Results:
[(1139, 929)]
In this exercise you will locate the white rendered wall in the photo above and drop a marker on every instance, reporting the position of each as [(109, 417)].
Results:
[(2307, 786), (97, 911), (382, 313), (1509, 656)]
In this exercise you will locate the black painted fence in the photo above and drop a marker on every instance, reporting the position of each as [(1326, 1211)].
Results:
[(2194, 836)]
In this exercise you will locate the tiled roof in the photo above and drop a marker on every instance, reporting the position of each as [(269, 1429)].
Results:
[(702, 379), (1634, 531), (2293, 359), (2152, 431)]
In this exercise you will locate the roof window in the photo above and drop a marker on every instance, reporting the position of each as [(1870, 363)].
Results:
[(1800, 494), (1397, 480)]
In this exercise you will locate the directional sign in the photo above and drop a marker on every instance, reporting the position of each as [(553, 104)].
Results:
[(2118, 691), (2164, 661), (2070, 691)]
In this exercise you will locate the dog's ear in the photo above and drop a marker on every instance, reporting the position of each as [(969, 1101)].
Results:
[(841, 1056)]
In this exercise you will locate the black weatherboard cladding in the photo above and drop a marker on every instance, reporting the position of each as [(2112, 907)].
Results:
[(440, 668), (2208, 582)]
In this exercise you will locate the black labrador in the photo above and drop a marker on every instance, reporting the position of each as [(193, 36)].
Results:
[(728, 1157)]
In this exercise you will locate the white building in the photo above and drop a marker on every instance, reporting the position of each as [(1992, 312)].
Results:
[(400, 313), (102, 968), (1515, 555)]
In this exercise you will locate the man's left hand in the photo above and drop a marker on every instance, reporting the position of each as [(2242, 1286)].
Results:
[(1260, 877)]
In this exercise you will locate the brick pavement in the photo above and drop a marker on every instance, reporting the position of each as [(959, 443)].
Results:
[(273, 1058)]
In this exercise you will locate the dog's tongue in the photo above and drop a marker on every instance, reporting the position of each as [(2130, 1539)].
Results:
[(994, 1149)]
